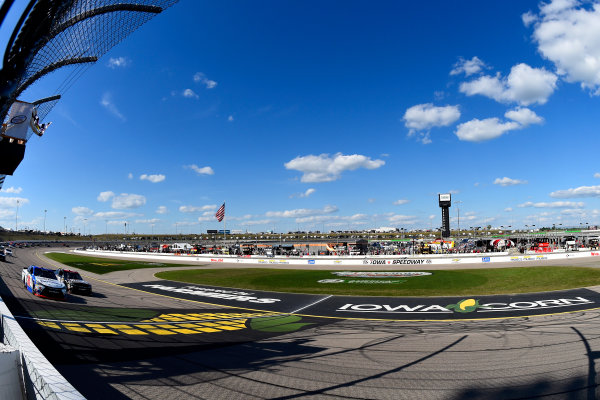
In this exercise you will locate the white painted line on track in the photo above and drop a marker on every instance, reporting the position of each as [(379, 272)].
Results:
[(311, 304)]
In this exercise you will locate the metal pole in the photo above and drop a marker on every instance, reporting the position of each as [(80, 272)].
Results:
[(45, 211), (17, 217)]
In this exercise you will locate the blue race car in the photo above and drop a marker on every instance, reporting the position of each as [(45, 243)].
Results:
[(42, 282)]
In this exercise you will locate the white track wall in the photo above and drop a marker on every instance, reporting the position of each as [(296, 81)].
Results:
[(401, 261), (41, 380)]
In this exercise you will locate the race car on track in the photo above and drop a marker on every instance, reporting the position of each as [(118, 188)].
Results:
[(42, 282), (73, 281)]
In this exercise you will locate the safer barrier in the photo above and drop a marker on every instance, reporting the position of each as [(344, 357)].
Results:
[(40, 380), (401, 261)]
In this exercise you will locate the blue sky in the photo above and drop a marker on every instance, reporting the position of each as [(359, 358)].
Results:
[(313, 115)]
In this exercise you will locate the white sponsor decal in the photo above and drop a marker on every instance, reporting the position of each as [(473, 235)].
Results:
[(380, 274), (366, 281), (215, 293), (398, 261), (488, 307)]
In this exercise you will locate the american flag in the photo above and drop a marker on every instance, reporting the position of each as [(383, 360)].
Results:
[(220, 213)]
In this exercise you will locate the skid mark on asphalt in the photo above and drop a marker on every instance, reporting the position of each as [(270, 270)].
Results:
[(164, 324)]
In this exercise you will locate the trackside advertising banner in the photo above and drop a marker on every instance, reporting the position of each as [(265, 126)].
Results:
[(392, 308)]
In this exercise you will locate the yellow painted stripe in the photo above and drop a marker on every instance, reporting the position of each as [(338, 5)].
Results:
[(186, 331), (230, 328), (78, 329), (208, 330), (133, 332), (49, 324), (106, 331), (161, 332)]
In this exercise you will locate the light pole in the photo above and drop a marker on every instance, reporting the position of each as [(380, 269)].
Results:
[(84, 223), (65, 230), (45, 211), (458, 215), (106, 225), (17, 217)]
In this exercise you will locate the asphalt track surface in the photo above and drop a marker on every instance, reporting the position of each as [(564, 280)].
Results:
[(123, 342)]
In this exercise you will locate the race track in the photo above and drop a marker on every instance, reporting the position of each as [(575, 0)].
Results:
[(127, 343)]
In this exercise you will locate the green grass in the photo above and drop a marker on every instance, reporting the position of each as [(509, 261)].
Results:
[(440, 283), (100, 265), (93, 314)]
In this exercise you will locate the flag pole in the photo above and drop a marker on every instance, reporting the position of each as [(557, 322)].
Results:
[(224, 226)]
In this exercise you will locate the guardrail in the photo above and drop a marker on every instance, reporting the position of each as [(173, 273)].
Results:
[(39, 379)]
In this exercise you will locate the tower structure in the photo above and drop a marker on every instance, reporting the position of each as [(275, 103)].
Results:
[(445, 201)]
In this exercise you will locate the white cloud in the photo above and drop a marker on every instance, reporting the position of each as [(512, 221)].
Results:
[(582, 191), (147, 221), (524, 116), (401, 202), (190, 209), (467, 67), (4, 213), (162, 210), (105, 196), (10, 202), (126, 201), (597, 175), (323, 168), (554, 204), (208, 216), (257, 222), (508, 181), (301, 212), (508, 209), (12, 190), (152, 178), (333, 219), (524, 85), (82, 211), (107, 103), (190, 94), (118, 62), (116, 214), (566, 32), (479, 130), (419, 119), (402, 219), (528, 18), (230, 118), (201, 78), (130, 176), (201, 170), (119, 222), (304, 194)]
